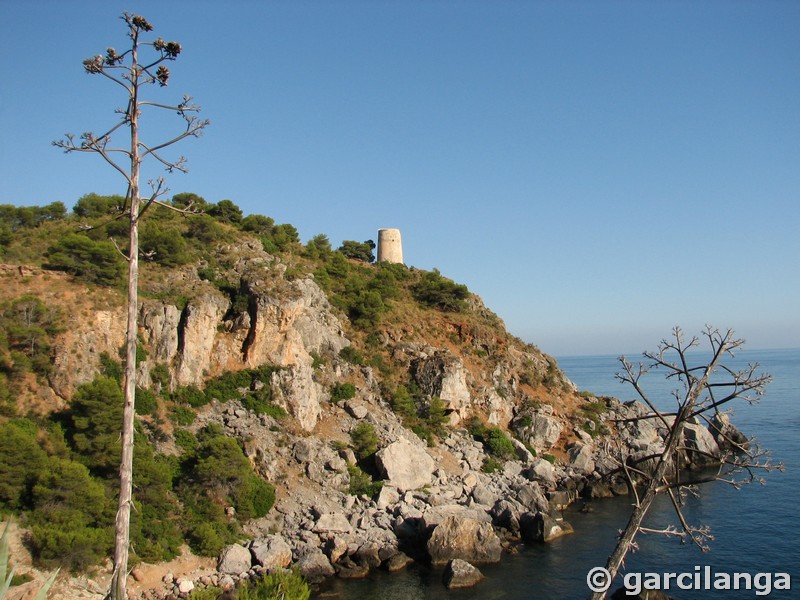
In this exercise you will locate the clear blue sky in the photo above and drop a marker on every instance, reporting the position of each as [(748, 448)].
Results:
[(598, 172)]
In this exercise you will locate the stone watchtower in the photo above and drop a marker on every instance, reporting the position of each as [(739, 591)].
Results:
[(390, 247)]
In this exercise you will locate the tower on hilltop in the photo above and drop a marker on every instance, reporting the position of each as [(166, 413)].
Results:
[(390, 246)]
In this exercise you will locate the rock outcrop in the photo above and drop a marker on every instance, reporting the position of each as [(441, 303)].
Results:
[(405, 466)]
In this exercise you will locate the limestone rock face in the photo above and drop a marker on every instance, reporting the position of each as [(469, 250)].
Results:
[(464, 538), (295, 390), (540, 428), (444, 375), (286, 329), (200, 320), (77, 352), (405, 466)]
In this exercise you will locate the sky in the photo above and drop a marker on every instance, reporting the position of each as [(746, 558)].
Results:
[(597, 172)]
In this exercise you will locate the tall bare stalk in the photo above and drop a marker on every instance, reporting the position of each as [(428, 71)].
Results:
[(133, 74)]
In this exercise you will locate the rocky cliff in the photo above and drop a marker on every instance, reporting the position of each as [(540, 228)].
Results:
[(442, 497)]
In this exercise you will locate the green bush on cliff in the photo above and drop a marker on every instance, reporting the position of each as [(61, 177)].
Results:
[(21, 462), (361, 483), (342, 391), (214, 475), (437, 291), (95, 261), (364, 440), (495, 441), (283, 585), (70, 522)]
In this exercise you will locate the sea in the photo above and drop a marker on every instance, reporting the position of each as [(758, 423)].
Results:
[(756, 528)]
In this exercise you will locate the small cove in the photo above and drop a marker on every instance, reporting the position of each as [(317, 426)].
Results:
[(756, 528)]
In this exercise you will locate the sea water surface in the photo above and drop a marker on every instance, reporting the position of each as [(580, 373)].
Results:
[(756, 528)]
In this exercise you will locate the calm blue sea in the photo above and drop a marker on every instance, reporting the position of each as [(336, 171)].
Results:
[(756, 528)]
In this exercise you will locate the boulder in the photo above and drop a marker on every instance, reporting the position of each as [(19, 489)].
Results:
[(234, 559), (398, 562), (543, 470), (271, 552), (580, 458), (460, 574), (540, 430), (541, 527), (703, 448), (357, 410), (464, 538), (483, 495), (531, 497), (314, 565), (444, 375), (332, 523), (728, 437), (560, 499), (405, 466), (388, 496), (435, 515)]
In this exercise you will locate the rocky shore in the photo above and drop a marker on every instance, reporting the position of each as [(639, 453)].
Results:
[(436, 504)]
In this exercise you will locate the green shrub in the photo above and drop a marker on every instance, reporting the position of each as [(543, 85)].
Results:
[(351, 355), (215, 475), (361, 484), (317, 361), (190, 395), (209, 538), (21, 462), (165, 244), (95, 261), (437, 416), (495, 441), (182, 415), (499, 444), (110, 368), (364, 440), (278, 585), (69, 524), (185, 440), (209, 593), (95, 417), (342, 391), (92, 206), (359, 251), (27, 328), (491, 465), (145, 402), (437, 291), (403, 403)]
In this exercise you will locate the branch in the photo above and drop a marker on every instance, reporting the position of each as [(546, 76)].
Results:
[(194, 128)]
